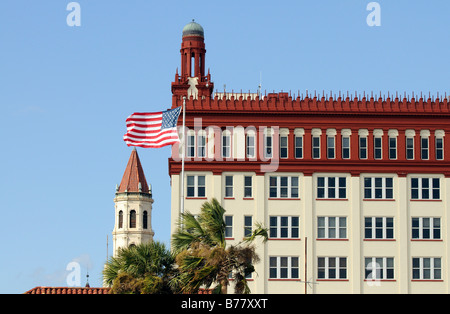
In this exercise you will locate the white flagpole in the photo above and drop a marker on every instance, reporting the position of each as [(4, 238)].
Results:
[(182, 159)]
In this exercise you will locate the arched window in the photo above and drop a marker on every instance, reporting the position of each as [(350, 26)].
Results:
[(133, 219), (145, 220), (120, 219)]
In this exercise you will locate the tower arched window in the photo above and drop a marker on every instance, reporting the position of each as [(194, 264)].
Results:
[(133, 219), (120, 219), (192, 65), (145, 220)]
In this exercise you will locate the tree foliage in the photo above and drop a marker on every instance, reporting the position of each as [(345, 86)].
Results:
[(203, 257), (141, 269)]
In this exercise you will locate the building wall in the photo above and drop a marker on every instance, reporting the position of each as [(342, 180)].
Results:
[(354, 247)]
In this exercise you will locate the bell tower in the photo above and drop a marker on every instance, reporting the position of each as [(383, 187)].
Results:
[(133, 207), (192, 81)]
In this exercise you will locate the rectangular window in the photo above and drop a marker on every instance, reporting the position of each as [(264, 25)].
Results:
[(330, 147), (299, 147), (284, 227), (426, 268), (248, 191), (283, 267), (229, 186), (392, 148), (316, 147), (378, 228), (424, 148), (439, 149), (410, 148), (426, 228), (228, 226), (196, 186), (332, 268), (362, 147), (331, 227), (190, 146), (268, 146), (378, 188), (377, 152), (250, 146), (379, 268), (283, 146), (283, 187), (345, 147), (331, 187), (425, 189), (248, 226), (226, 145), (201, 145)]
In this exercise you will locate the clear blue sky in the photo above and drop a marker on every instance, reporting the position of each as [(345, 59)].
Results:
[(65, 93)]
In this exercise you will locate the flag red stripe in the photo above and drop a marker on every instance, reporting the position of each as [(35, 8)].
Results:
[(149, 135)]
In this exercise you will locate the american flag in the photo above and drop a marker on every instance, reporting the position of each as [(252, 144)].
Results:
[(152, 130)]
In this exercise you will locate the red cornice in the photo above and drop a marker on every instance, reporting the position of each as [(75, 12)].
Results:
[(355, 168), (281, 103)]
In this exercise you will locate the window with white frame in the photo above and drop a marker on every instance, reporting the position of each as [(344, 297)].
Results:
[(248, 226), (283, 267), (283, 187), (298, 146), (424, 144), (250, 145), (332, 268), (426, 228), (392, 148), (201, 144), (316, 133), (378, 228), (426, 268), (331, 147), (228, 226), (284, 143), (378, 188), (268, 143), (226, 144), (345, 147), (284, 227), (410, 148), (331, 227), (316, 147), (331, 187), (190, 148), (248, 190), (228, 186), (379, 268), (363, 147), (425, 189), (439, 148), (378, 148), (283, 146), (196, 186)]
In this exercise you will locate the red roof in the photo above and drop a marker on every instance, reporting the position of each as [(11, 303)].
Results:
[(134, 174), (86, 290), (67, 290)]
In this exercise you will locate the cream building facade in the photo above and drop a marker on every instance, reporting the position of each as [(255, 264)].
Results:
[(354, 190)]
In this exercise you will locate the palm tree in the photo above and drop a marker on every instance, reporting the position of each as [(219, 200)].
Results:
[(144, 268), (203, 257)]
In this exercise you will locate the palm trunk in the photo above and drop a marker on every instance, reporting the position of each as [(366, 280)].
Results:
[(224, 286)]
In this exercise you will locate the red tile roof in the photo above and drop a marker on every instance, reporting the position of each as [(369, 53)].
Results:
[(85, 290), (134, 174), (68, 290)]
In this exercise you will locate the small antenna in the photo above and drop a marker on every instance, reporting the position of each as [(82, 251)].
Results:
[(87, 279), (260, 83)]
